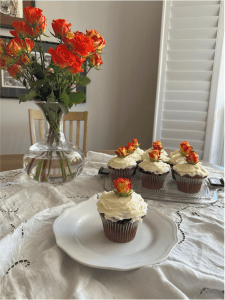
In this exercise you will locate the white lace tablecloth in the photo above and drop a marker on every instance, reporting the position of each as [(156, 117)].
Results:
[(32, 266)]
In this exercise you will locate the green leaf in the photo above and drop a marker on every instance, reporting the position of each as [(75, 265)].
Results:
[(77, 97), (65, 98), (30, 96), (37, 71), (51, 97), (40, 82), (85, 81)]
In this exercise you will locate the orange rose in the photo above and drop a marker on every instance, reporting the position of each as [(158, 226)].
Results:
[(130, 147), (76, 66), (122, 186), (60, 27), (22, 30), (121, 152), (3, 62), (192, 158), (23, 60), (80, 44), (96, 60), (157, 146), (33, 16), (184, 143), (2, 47), (99, 42), (14, 71), (185, 149), (16, 46), (154, 155), (62, 57), (135, 142)]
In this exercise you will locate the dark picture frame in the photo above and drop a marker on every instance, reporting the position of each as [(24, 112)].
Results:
[(6, 21), (14, 88)]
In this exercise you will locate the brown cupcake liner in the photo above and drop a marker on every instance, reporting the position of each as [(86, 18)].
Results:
[(123, 173), (117, 232), (188, 184), (151, 180)]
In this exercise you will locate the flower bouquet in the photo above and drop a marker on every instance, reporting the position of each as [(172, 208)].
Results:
[(51, 86)]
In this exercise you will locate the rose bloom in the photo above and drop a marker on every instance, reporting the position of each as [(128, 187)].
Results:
[(22, 30), (154, 155), (76, 66), (157, 145), (16, 45), (185, 150), (62, 57), (80, 44), (60, 27), (184, 143), (3, 62), (14, 71), (2, 46), (33, 16), (130, 147), (121, 151), (192, 157), (99, 42), (122, 185), (23, 60), (135, 142), (96, 60)]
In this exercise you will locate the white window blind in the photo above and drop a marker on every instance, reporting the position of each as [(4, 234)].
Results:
[(190, 54)]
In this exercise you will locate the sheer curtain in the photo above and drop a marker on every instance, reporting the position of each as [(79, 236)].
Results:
[(216, 155)]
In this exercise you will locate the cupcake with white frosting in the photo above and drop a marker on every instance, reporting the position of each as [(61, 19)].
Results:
[(153, 171), (190, 175), (122, 165), (180, 157), (121, 211)]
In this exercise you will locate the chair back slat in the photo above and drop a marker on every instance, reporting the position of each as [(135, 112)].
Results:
[(78, 134), (41, 129), (71, 132), (35, 115), (85, 133)]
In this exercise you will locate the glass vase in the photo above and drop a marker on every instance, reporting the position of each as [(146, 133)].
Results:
[(54, 159)]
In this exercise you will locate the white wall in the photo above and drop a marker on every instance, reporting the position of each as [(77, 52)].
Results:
[(121, 97)]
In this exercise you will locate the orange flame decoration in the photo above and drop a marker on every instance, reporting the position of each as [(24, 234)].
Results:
[(154, 155), (157, 146), (122, 187), (130, 147), (192, 158), (121, 152)]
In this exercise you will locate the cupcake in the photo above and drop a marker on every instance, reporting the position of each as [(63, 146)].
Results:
[(121, 211), (153, 171), (135, 152), (122, 165), (157, 146), (190, 175), (180, 157)]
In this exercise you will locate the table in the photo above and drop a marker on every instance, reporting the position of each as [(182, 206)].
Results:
[(33, 266)]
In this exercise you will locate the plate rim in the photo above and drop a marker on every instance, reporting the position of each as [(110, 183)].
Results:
[(174, 242)]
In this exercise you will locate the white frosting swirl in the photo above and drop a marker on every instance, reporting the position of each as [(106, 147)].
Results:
[(136, 155), (192, 170), (118, 208), (154, 167), (177, 159), (121, 162), (175, 152)]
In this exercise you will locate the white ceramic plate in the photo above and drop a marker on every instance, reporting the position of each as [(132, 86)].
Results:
[(79, 233)]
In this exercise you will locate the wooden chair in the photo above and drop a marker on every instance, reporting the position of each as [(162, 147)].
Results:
[(70, 117)]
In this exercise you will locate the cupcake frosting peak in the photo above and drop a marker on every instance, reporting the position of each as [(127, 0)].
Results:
[(154, 167), (122, 162)]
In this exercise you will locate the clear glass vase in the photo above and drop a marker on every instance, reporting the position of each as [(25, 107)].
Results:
[(54, 159)]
